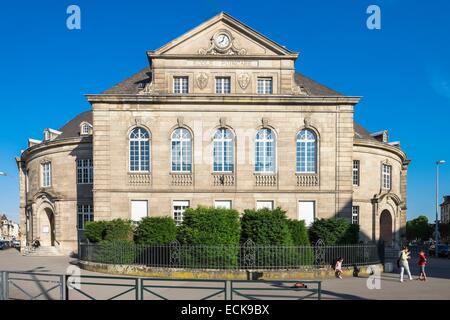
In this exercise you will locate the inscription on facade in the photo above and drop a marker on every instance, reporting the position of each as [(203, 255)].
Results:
[(223, 63)]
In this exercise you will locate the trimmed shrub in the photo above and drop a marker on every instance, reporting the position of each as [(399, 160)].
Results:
[(334, 231), (156, 230), (279, 241), (116, 252), (266, 227), (119, 229), (95, 231), (299, 233), (212, 236)]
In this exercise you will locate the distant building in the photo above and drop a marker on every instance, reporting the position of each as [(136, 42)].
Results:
[(445, 210), (9, 230)]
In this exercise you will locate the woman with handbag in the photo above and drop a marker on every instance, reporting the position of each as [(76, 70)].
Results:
[(403, 263)]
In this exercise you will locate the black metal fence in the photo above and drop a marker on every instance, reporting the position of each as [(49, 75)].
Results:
[(248, 256)]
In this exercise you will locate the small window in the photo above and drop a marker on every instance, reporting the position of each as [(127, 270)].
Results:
[(178, 211), (264, 86), (386, 176), (306, 212), (180, 85), (27, 180), (85, 129), (84, 171), (139, 210), (223, 85), (355, 215), (46, 169), (355, 173), (85, 214), (264, 204), (223, 204)]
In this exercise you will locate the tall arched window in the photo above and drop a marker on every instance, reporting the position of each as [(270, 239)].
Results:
[(265, 151), (139, 150), (306, 152), (181, 150), (223, 152)]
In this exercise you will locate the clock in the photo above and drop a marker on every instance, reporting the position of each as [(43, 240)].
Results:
[(222, 40)]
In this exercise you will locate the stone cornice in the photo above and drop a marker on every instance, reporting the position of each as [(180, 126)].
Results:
[(152, 55), (379, 145), (54, 144), (216, 99)]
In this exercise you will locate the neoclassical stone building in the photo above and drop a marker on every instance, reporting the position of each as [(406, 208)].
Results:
[(220, 117)]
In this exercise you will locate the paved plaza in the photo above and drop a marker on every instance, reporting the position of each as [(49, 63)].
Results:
[(437, 287)]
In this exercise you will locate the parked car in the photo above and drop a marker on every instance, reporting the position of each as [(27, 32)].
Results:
[(442, 250), (16, 243), (3, 245)]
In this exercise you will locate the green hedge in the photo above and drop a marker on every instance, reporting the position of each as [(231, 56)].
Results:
[(334, 231), (156, 231), (299, 233), (114, 230), (211, 227), (266, 227), (116, 252)]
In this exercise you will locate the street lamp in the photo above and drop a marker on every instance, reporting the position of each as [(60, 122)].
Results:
[(436, 230), (2, 173)]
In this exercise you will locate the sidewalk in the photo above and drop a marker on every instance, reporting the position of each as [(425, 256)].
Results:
[(437, 287)]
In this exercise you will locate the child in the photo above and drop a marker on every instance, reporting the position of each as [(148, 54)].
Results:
[(422, 263), (338, 268)]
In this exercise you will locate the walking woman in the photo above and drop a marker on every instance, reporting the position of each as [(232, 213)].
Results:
[(403, 263)]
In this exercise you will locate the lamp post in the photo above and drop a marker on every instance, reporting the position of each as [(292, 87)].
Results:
[(2, 173), (436, 230)]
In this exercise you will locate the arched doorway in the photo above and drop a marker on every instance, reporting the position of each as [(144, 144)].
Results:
[(47, 227), (386, 227)]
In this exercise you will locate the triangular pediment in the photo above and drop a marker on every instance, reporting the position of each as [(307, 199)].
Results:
[(239, 40)]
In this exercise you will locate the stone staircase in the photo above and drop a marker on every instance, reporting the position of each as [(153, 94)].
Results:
[(42, 251)]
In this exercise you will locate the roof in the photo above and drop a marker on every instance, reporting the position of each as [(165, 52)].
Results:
[(72, 128), (361, 132), (136, 82)]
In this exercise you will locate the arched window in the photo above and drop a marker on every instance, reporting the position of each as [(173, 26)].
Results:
[(223, 152), (306, 152), (265, 151), (181, 150), (139, 150)]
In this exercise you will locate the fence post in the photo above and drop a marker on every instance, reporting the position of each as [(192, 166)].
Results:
[(319, 291), (228, 290), (138, 288), (2, 285)]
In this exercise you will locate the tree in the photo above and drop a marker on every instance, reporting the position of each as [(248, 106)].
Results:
[(418, 229)]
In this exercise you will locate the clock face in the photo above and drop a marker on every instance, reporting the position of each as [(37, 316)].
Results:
[(222, 40)]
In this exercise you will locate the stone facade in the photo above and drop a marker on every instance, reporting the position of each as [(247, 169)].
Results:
[(147, 100)]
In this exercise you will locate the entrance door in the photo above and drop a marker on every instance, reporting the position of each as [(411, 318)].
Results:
[(386, 227), (47, 225)]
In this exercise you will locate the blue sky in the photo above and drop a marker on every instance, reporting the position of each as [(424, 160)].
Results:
[(402, 71)]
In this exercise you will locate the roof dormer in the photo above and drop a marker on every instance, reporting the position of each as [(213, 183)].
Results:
[(382, 136), (33, 142), (85, 128), (51, 134)]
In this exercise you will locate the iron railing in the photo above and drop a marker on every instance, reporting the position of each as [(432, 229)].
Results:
[(248, 256), (42, 286)]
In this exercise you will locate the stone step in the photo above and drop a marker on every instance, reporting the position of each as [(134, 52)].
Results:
[(46, 251)]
